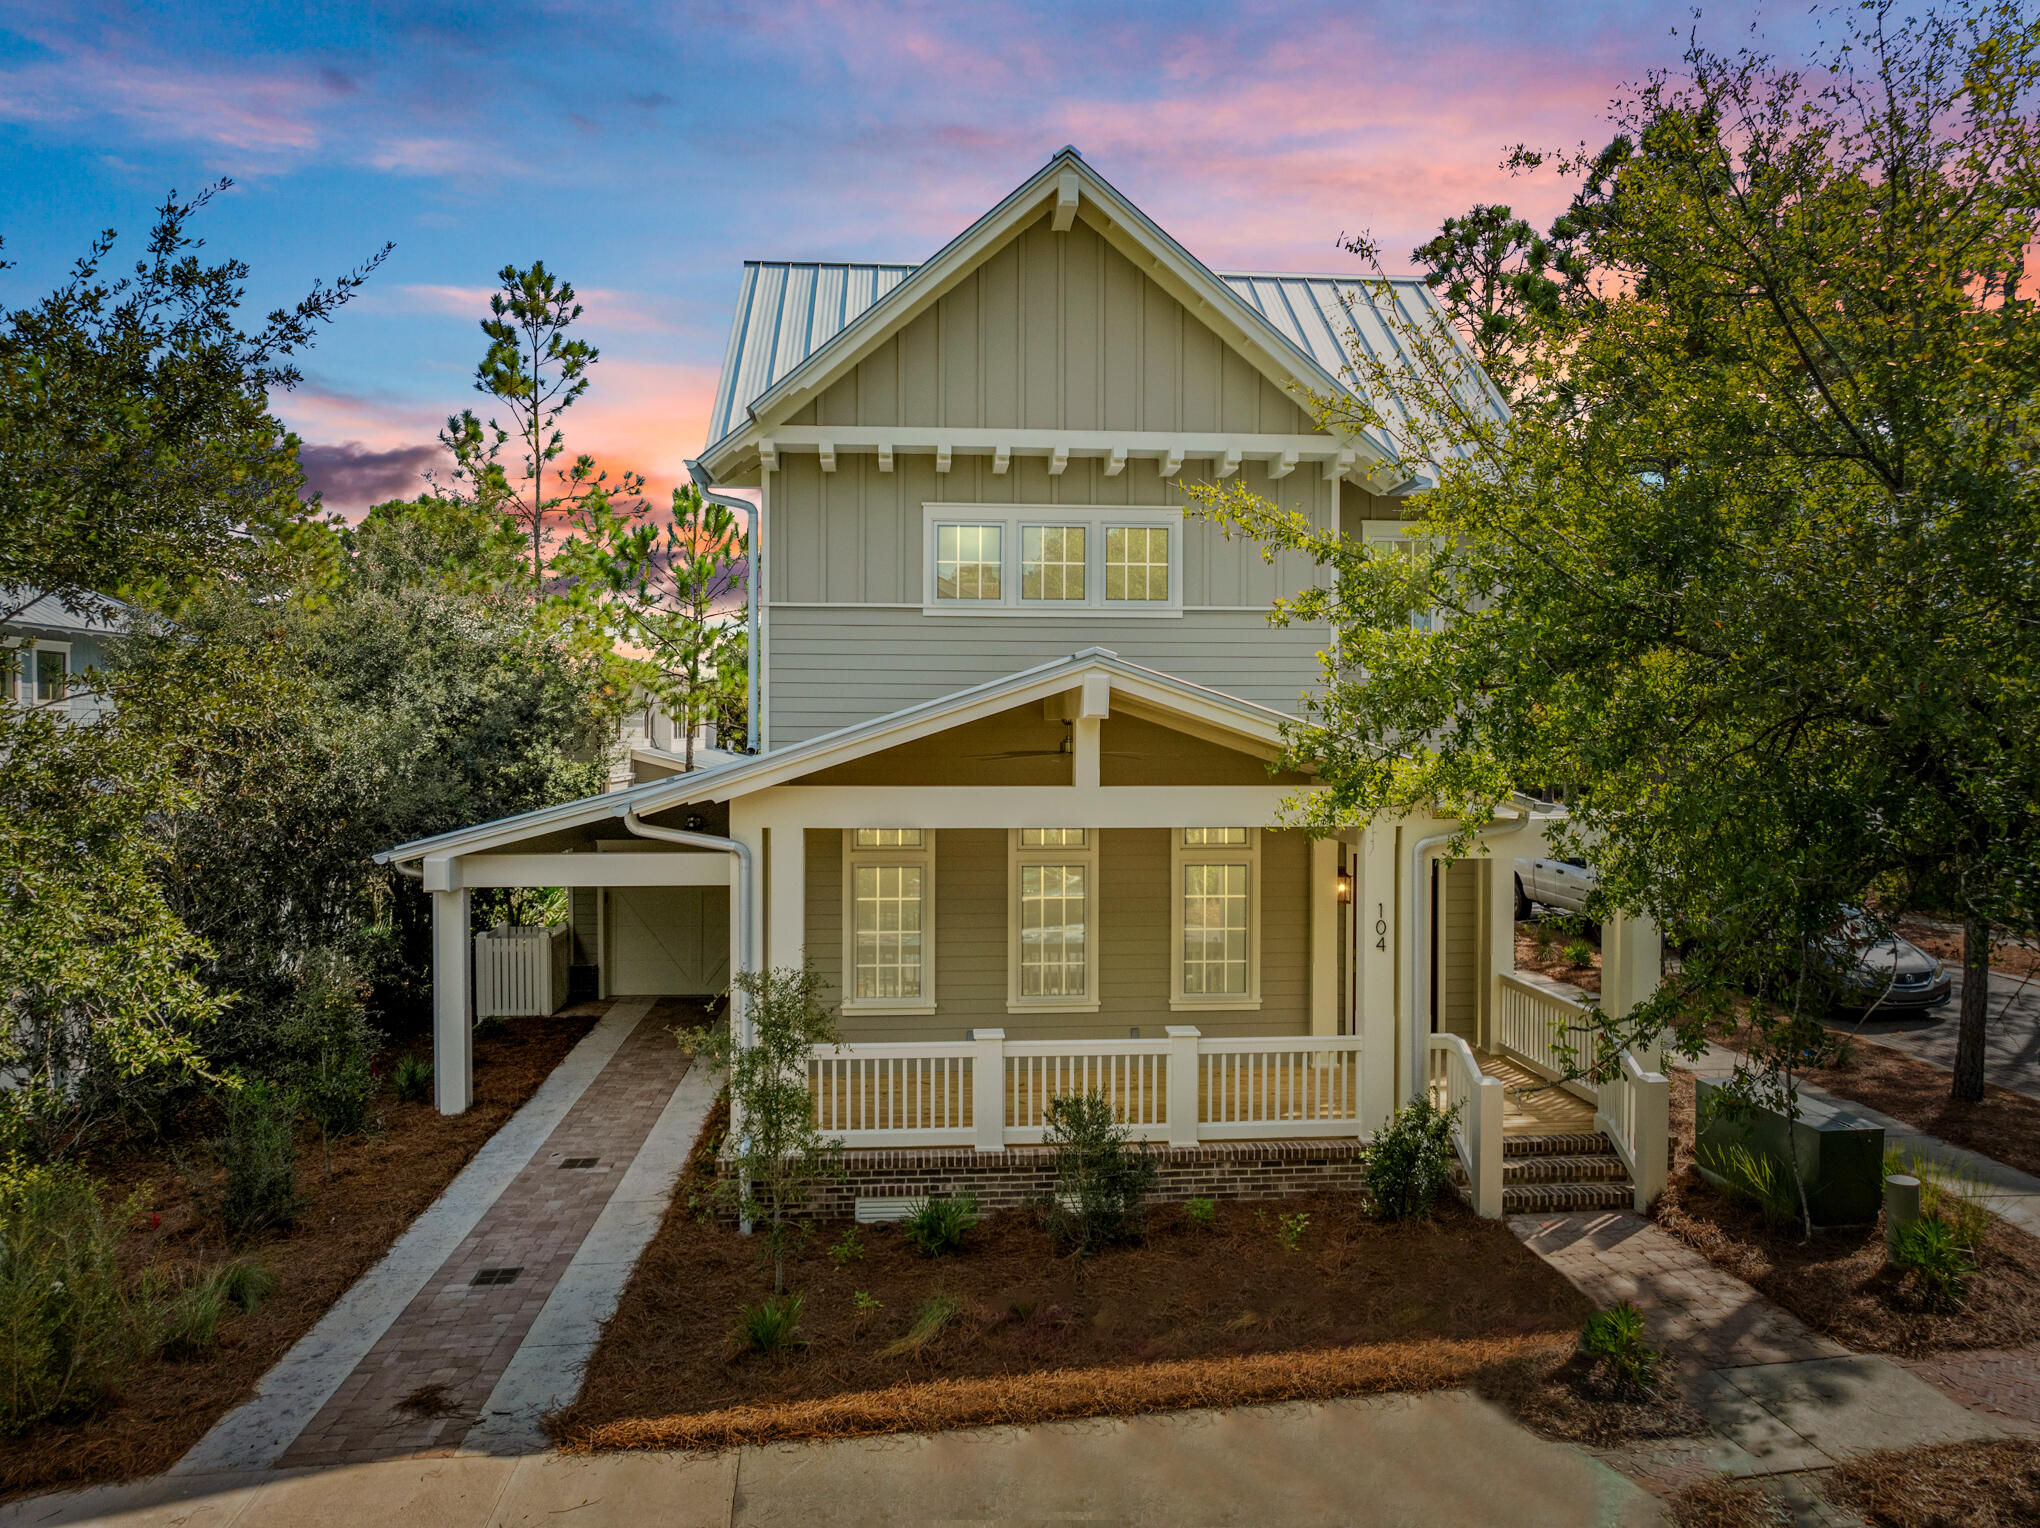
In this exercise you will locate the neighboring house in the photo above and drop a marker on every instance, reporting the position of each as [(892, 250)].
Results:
[(48, 654), (1019, 716)]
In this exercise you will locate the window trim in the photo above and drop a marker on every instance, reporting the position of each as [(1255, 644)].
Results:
[(1181, 855), (27, 687), (922, 858), (1057, 854), (1097, 521)]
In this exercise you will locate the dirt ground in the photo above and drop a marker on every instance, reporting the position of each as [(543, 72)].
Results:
[(380, 1183), (2003, 1125), (1551, 960), (1192, 1316), (1838, 1282)]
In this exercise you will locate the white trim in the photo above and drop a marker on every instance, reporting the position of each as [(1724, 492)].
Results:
[(1018, 856), (922, 859), (1181, 855), (26, 685), (641, 869), (1013, 522)]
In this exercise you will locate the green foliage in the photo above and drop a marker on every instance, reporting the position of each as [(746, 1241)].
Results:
[(1200, 1214), (1956, 1198), (777, 1155), (1496, 276), (190, 1318), (1746, 564), (930, 1322), (1290, 1229), (849, 1247), (71, 1326), (867, 1304), (1929, 1253), (100, 1006), (1757, 1180), (330, 1048), (1618, 1342), (411, 1079), (937, 1226), (1102, 1179), (770, 1327), (1579, 954), (256, 1158), (1411, 1160)]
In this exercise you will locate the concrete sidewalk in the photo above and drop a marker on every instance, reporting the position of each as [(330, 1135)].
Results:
[(1439, 1460)]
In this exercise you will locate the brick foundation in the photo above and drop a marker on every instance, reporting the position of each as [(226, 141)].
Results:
[(1007, 1179)]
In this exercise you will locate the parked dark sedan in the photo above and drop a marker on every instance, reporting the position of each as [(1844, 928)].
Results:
[(1884, 976)]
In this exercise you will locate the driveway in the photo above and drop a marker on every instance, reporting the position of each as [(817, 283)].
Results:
[(2012, 1040)]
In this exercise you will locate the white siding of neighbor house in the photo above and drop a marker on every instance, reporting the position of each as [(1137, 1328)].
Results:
[(1135, 909)]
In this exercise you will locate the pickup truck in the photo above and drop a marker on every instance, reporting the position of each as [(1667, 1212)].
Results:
[(1563, 884)]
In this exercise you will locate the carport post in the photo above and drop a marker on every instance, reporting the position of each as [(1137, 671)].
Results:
[(453, 1044)]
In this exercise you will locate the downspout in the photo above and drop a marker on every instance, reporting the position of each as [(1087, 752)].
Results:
[(754, 575), (740, 902), (1419, 925)]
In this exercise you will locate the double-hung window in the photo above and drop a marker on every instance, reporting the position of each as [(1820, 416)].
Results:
[(889, 920), (1392, 538), (1216, 873), (1053, 560), (1052, 897)]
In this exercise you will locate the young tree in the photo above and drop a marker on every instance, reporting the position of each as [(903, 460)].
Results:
[(668, 592), (1494, 275), (777, 1155), (1749, 564), (137, 449), (536, 373)]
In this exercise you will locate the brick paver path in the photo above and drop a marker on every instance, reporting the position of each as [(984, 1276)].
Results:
[(2003, 1385), (425, 1381), (1694, 1310)]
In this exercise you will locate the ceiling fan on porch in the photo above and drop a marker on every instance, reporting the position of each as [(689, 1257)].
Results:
[(1066, 747)]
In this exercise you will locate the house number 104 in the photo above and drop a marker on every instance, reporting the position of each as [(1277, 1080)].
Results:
[(1380, 926)]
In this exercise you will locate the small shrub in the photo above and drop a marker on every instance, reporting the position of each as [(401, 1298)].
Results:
[(1617, 1342), (1757, 1180), (867, 1304), (1411, 1160), (1200, 1214), (1930, 1255), (1544, 937), (72, 1328), (257, 1158), (1579, 954), (937, 1226), (191, 1317), (1292, 1229), (770, 1327), (1102, 1179), (847, 1248), (933, 1318), (1947, 1194), (411, 1079), (330, 1048)]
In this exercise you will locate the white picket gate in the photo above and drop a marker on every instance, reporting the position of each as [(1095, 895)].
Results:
[(521, 972)]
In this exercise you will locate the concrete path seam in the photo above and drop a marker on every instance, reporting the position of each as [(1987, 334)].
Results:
[(255, 1434), (545, 1372)]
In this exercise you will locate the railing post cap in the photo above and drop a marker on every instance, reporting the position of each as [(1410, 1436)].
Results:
[(988, 1034), (1184, 1031)]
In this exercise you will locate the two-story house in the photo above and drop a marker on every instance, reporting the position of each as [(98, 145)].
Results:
[(1018, 798)]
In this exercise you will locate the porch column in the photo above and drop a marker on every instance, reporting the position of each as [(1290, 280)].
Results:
[(745, 914), (453, 1042), (1501, 944), (1632, 963), (786, 896), (1374, 973), (1324, 936)]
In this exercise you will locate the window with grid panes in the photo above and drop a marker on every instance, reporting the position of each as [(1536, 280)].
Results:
[(969, 562), (1137, 562), (1052, 562)]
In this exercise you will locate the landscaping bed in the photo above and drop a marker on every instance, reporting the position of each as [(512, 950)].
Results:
[(1944, 1485), (2002, 1125), (1547, 950), (380, 1184), (1013, 1331), (1838, 1282)]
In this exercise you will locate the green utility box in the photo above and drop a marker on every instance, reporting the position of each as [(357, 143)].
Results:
[(1841, 1155)]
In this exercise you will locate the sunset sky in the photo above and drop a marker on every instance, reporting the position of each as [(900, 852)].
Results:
[(645, 151)]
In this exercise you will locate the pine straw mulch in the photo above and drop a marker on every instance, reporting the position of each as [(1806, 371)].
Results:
[(2002, 1125), (1945, 941), (1722, 1502), (1992, 1484), (1187, 1318), (1838, 1283), (380, 1184), (1551, 962)]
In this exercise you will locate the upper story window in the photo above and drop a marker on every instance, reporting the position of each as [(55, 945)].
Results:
[(1053, 560), (1394, 537), (969, 562), (36, 674)]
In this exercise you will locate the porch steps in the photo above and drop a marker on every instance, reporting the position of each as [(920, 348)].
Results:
[(1560, 1171)]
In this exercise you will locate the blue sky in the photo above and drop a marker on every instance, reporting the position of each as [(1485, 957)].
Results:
[(644, 152)]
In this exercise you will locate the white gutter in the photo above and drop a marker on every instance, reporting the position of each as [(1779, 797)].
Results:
[(754, 573), (1419, 926), (740, 902)]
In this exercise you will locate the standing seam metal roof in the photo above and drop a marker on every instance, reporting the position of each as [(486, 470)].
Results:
[(789, 309)]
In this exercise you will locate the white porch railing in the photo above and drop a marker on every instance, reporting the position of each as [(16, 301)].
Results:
[(521, 971), (1632, 1107), (1457, 1081), (1182, 1089)]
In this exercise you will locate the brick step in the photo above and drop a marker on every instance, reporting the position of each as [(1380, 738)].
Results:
[(1576, 1143), (1600, 1167), (1540, 1198)]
